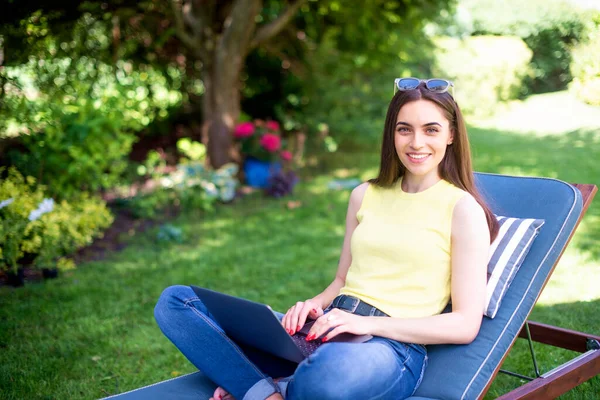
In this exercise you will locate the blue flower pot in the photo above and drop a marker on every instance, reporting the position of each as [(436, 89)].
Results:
[(258, 172)]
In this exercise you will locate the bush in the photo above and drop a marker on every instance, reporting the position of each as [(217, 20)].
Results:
[(72, 109), (191, 186), (36, 226), (550, 28), (485, 69), (78, 152), (586, 69)]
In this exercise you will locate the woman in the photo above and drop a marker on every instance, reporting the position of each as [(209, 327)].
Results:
[(416, 235)]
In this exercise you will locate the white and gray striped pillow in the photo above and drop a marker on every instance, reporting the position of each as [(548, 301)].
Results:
[(507, 253)]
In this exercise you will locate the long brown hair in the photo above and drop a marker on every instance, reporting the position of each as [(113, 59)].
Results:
[(455, 167)]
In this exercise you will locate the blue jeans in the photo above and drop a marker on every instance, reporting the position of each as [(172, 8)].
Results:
[(378, 369)]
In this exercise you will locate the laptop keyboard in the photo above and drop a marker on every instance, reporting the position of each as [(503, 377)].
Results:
[(306, 348)]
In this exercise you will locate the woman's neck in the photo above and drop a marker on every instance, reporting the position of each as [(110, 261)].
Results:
[(416, 184)]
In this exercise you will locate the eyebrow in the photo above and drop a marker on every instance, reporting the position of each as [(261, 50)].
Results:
[(427, 124)]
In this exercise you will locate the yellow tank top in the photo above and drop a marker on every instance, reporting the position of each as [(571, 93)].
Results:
[(401, 249)]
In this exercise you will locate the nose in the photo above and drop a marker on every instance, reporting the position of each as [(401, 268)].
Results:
[(417, 142)]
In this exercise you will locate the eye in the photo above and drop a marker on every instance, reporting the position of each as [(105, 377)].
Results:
[(432, 131), (403, 130)]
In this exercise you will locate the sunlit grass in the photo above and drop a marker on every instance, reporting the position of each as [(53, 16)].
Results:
[(91, 333), (542, 115)]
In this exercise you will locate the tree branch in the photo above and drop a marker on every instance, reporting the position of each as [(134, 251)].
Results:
[(271, 29), (186, 38)]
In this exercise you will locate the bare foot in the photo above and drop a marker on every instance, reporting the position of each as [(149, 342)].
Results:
[(222, 394)]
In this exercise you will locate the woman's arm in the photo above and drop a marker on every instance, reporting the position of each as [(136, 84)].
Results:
[(470, 248), (296, 316), (327, 296)]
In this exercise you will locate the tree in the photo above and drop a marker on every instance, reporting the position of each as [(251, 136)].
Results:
[(217, 36), (221, 35)]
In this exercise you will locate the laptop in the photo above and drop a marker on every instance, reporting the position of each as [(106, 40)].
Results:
[(256, 325)]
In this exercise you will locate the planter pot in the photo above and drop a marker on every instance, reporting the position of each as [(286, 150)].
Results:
[(258, 172), (16, 279), (50, 273)]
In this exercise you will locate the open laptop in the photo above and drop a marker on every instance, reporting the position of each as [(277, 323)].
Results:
[(256, 325)]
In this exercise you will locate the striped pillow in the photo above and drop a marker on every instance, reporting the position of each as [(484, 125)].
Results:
[(507, 253)]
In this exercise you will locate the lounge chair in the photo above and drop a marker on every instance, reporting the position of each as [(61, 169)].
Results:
[(467, 371)]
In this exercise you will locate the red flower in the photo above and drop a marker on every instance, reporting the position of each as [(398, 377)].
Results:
[(245, 129), (286, 155), (272, 125), (270, 142)]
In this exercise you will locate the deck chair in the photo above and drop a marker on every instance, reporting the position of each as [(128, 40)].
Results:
[(467, 371)]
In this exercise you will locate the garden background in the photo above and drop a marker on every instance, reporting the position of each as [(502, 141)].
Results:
[(122, 162)]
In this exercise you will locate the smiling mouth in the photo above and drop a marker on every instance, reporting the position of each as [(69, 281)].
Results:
[(417, 157)]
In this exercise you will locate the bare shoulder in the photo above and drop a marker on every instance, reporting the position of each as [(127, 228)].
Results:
[(358, 193), (468, 216)]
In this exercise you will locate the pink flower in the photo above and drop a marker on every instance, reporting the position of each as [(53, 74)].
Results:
[(270, 142), (286, 155), (245, 129), (272, 125)]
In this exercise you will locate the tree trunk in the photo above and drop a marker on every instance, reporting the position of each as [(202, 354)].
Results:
[(223, 52), (221, 110)]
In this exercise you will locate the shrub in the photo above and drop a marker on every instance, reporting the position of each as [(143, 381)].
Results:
[(77, 152), (586, 69), (485, 69), (550, 28), (36, 226), (192, 186)]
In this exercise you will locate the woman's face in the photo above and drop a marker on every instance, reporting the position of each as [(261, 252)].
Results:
[(421, 137)]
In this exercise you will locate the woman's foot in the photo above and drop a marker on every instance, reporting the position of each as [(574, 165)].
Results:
[(222, 394)]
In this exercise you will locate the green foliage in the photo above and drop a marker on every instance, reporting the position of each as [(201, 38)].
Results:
[(586, 68), (485, 69), (150, 205), (199, 186), (34, 225), (550, 28), (191, 150), (19, 197), (338, 59), (342, 88), (192, 186), (75, 111), (169, 233), (79, 152)]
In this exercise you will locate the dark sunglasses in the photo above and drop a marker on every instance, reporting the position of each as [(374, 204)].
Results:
[(435, 85)]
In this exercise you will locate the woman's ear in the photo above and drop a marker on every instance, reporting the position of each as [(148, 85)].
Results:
[(451, 138)]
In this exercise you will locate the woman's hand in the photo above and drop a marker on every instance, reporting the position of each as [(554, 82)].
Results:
[(295, 317), (337, 321)]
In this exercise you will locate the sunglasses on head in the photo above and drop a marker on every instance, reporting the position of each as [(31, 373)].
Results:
[(435, 85)]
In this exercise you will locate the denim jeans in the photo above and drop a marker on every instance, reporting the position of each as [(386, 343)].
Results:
[(378, 369)]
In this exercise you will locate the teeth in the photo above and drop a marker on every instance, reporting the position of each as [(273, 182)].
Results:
[(418, 156)]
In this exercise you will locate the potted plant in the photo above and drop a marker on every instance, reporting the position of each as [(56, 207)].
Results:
[(260, 145)]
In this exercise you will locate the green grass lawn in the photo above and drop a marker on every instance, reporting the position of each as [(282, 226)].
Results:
[(91, 333)]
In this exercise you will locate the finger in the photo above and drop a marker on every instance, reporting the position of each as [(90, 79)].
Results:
[(312, 332), (316, 312), (303, 315), (324, 324), (334, 332), (295, 317), (286, 321)]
